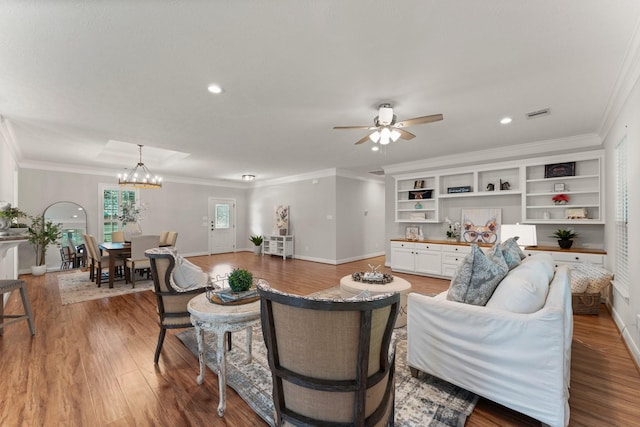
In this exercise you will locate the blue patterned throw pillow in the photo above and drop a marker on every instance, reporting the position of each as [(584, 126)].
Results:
[(512, 252), (478, 276)]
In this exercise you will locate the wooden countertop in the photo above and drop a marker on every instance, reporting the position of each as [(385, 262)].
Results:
[(529, 248)]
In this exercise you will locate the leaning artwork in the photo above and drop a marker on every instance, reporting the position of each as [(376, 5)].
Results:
[(481, 225)]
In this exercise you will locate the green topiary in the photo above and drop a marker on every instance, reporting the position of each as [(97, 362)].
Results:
[(240, 280)]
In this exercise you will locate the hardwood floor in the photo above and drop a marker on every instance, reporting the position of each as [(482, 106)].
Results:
[(91, 363)]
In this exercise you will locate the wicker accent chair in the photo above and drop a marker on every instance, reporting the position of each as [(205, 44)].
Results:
[(172, 305), (332, 361)]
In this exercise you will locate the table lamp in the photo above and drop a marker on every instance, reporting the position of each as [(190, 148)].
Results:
[(526, 234)]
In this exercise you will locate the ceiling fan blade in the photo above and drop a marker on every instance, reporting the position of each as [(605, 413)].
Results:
[(420, 120), (363, 140), (354, 127), (405, 135)]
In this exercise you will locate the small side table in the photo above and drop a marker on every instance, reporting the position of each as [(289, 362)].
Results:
[(350, 288), (221, 319)]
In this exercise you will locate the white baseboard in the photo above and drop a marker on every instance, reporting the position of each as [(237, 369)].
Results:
[(631, 345)]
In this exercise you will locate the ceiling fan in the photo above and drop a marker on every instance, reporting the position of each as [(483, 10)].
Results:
[(386, 129)]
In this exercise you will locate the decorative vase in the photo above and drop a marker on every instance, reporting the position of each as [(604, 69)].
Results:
[(565, 244), (38, 270), (130, 230), (257, 249)]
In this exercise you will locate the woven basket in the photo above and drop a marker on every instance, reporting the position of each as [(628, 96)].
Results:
[(585, 303)]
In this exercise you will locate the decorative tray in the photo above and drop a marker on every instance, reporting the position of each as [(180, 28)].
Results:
[(374, 279), (229, 297)]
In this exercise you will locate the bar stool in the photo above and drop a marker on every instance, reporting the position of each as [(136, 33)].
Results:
[(8, 286)]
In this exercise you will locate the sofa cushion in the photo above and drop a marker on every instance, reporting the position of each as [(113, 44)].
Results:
[(477, 277), (513, 255), (524, 289)]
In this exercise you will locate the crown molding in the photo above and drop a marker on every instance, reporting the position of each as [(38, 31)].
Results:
[(573, 143), (9, 137), (627, 79), (69, 168)]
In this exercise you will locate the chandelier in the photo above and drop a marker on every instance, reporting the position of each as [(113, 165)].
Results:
[(140, 176)]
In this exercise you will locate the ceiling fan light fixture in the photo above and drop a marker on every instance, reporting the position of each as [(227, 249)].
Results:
[(385, 114), (385, 136), (375, 137), (395, 135)]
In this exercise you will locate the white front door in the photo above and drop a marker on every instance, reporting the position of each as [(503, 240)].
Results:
[(222, 225)]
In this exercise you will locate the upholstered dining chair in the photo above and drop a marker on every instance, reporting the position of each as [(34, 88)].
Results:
[(98, 261), (172, 301), (163, 238), (172, 237), (117, 236), (332, 361), (137, 260)]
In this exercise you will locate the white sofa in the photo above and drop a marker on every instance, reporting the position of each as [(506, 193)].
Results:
[(519, 360)]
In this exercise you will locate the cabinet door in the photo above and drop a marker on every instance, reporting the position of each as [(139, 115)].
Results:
[(402, 259), (428, 262)]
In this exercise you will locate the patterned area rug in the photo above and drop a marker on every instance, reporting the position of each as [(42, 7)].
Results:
[(76, 287), (423, 401)]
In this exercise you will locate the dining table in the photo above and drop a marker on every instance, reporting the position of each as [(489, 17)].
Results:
[(115, 250)]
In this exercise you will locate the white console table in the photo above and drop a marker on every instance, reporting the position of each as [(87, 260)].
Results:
[(8, 242), (278, 245)]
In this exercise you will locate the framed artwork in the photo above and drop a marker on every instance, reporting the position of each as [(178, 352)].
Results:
[(420, 194), (558, 187), (481, 225), (412, 232), (281, 219), (556, 170)]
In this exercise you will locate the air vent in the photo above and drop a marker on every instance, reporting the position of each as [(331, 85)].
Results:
[(378, 172), (539, 113)]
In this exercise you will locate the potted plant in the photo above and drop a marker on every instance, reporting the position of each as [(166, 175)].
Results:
[(9, 218), (42, 233), (240, 280), (257, 241), (565, 237)]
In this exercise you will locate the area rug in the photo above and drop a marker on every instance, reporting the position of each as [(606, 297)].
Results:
[(422, 401), (76, 287)]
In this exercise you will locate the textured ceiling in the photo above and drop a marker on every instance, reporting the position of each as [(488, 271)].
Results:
[(75, 75)]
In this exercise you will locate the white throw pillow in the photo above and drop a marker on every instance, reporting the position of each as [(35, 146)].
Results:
[(187, 275), (525, 288)]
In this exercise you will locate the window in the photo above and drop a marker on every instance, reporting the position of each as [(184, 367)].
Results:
[(621, 278), (222, 216), (112, 199)]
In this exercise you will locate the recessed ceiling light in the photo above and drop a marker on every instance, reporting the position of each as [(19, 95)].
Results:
[(505, 120), (248, 177), (214, 88)]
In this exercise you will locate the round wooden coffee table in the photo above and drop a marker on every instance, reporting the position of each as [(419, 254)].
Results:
[(221, 319), (350, 288)]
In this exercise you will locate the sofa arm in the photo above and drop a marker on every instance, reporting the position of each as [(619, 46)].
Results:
[(503, 356)]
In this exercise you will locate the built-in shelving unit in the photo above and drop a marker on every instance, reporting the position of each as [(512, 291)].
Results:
[(525, 179), (416, 199), (584, 190)]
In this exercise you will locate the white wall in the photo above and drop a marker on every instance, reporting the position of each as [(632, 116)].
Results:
[(626, 308), (312, 215), (177, 207), (8, 185), (360, 219)]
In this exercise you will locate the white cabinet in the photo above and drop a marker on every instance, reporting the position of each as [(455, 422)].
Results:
[(452, 256), (278, 245), (570, 256), (416, 257), (583, 186)]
